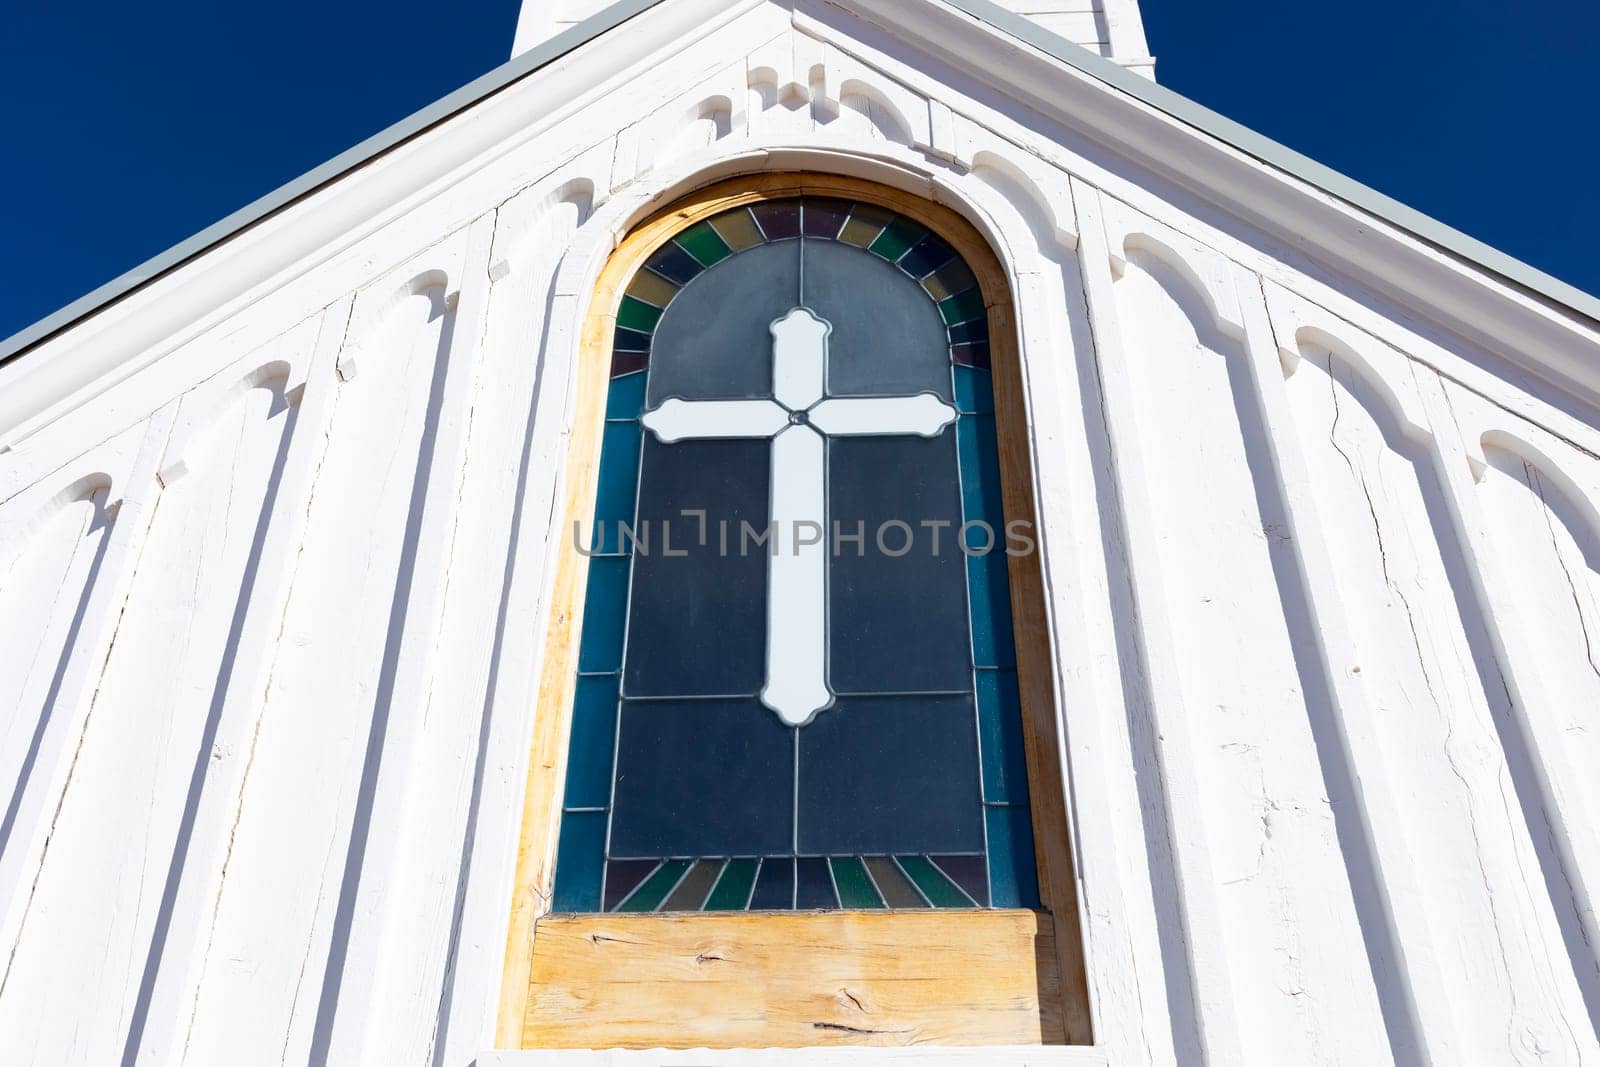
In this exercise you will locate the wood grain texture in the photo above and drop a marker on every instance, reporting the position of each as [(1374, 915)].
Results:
[(1057, 878), (793, 980)]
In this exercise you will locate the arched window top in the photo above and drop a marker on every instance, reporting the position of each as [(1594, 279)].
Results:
[(743, 268), (797, 679)]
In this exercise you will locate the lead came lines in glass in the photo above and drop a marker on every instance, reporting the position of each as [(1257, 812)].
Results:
[(948, 284)]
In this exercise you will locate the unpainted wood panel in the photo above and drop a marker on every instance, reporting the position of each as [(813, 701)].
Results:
[(793, 980)]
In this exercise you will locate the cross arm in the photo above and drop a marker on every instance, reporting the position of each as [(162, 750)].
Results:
[(923, 414), (677, 420)]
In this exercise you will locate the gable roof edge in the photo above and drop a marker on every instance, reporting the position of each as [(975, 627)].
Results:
[(1281, 157), (1180, 108)]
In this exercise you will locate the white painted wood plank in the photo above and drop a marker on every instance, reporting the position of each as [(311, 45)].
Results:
[(1366, 787), (1187, 821), (41, 753), (1300, 970), (386, 944), (203, 841), (335, 663), (105, 875), (1081, 556), (531, 385)]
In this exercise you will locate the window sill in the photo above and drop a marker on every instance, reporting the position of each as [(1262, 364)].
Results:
[(982, 1056)]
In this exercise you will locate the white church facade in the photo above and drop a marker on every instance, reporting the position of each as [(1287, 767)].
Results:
[(805, 532)]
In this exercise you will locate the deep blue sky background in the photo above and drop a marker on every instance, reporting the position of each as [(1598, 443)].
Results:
[(128, 127)]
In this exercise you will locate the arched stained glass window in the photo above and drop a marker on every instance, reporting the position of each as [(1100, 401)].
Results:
[(796, 679)]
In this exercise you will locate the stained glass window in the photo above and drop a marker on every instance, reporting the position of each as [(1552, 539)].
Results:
[(797, 681)]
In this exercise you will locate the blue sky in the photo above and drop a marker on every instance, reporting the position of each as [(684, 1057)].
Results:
[(130, 126)]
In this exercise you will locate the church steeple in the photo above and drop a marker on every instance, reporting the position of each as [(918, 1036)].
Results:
[(1111, 28)]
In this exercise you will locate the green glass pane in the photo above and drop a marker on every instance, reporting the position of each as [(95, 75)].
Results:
[(962, 307), (855, 888), (940, 891), (732, 891), (655, 888), (637, 315), (704, 244), (896, 239)]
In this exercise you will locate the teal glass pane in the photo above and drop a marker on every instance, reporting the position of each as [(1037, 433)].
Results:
[(605, 605), (625, 399), (594, 731), (1013, 881), (980, 473), (580, 857), (989, 595), (1005, 765), (619, 483), (974, 391)]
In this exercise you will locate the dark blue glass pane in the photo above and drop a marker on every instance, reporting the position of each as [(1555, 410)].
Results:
[(1012, 877), (623, 877), (594, 728), (970, 332), (715, 339), (702, 778), (604, 611), (619, 478), (697, 623), (630, 341), (971, 873), (774, 886), (1005, 766), (891, 345), (674, 264), (897, 623), (580, 857), (891, 774), (813, 884), (926, 256)]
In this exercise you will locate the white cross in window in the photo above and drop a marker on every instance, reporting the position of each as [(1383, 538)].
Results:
[(798, 420)]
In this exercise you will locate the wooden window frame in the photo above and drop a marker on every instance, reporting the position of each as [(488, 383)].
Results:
[(880, 978)]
